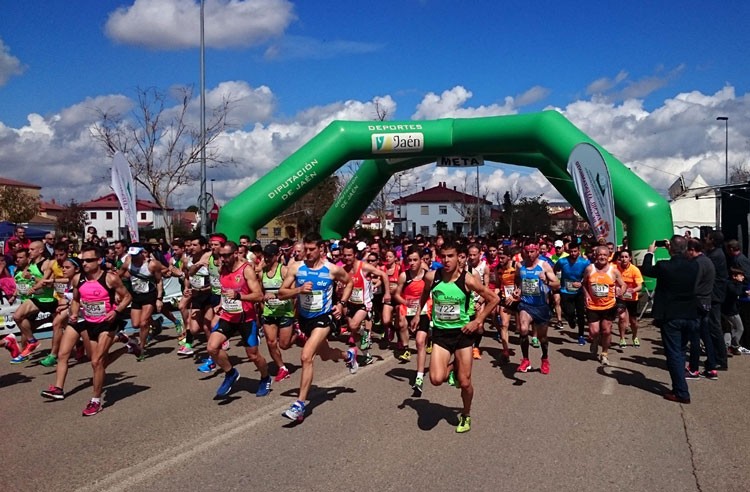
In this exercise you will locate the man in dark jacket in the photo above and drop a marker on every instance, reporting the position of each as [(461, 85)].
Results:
[(714, 250), (675, 309), (704, 291)]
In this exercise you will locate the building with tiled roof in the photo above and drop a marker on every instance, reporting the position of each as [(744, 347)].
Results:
[(105, 214), (420, 213)]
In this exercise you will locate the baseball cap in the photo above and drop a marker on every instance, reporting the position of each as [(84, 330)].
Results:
[(361, 246), (135, 250), (558, 244), (270, 250)]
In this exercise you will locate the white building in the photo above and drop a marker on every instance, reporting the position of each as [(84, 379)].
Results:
[(420, 212), (105, 214), (372, 222)]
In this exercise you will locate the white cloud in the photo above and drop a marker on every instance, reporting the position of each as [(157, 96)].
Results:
[(681, 136), (301, 47), (449, 105), (175, 24), (621, 88), (9, 64)]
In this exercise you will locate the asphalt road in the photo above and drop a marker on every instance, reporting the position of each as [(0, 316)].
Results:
[(582, 427)]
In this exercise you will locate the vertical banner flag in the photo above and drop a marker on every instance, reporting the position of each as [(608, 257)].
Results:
[(591, 178), (124, 187)]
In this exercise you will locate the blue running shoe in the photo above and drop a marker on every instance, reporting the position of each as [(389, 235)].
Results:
[(264, 387), (351, 360), (295, 412), (229, 379), (582, 341), (208, 366), (20, 359)]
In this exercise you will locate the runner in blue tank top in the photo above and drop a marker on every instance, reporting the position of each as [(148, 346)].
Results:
[(534, 279), (312, 282)]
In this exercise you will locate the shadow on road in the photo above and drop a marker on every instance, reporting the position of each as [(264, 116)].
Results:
[(629, 377), (583, 354), (430, 414), (14, 378)]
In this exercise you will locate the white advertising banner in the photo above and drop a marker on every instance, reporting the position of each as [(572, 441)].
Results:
[(124, 187), (591, 178)]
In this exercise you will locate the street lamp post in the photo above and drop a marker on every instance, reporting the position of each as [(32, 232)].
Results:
[(725, 119), (202, 200)]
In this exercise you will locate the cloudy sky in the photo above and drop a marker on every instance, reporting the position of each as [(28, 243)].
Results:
[(645, 82)]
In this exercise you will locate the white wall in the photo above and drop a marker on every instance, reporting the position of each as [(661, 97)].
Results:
[(103, 224), (690, 214)]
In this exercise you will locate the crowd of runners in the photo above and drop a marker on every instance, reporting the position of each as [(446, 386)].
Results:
[(422, 296)]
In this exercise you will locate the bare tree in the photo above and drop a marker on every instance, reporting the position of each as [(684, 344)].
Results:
[(509, 200), (161, 145), (739, 173)]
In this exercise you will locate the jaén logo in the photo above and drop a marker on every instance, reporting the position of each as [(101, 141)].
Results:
[(388, 143)]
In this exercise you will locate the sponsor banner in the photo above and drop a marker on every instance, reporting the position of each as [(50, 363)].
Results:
[(124, 187), (591, 178), (393, 143), (458, 161)]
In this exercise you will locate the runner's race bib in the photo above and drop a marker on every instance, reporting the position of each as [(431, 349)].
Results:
[(61, 287), (628, 294), (357, 296), (412, 306), (95, 309), (198, 282), (23, 289), (447, 311), (312, 302), (570, 287), (530, 286), (600, 290), (509, 290), (233, 306), (140, 286)]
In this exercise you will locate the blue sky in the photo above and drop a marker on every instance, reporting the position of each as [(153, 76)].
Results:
[(645, 81)]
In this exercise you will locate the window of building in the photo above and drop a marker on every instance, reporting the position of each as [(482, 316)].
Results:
[(424, 230), (109, 234), (264, 231), (443, 209), (109, 215), (143, 215), (425, 210), (92, 215), (277, 231)]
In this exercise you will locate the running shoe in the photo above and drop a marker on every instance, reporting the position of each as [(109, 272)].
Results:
[(604, 360), (581, 341), (623, 343), (92, 408), (142, 356), (229, 379), (366, 341), (264, 387), (405, 356), (11, 344), (368, 359), (636, 342), (53, 393), (351, 360), (535, 342), (559, 324), (49, 361), (178, 327), (296, 411), (157, 326), (545, 366), (452, 381), (186, 350), (208, 366), (742, 350), (428, 349), (475, 353), (121, 337), (464, 424), (692, 375), (134, 348), (19, 359), (29, 348), (524, 366), (281, 375), (418, 385), (713, 374)]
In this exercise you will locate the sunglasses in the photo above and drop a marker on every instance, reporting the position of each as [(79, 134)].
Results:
[(90, 260)]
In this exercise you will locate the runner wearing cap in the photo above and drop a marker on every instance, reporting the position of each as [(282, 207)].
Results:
[(278, 315), (147, 290)]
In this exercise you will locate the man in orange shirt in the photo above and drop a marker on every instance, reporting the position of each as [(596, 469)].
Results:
[(627, 301), (601, 281)]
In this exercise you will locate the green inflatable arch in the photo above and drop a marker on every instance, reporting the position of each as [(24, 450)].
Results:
[(541, 140)]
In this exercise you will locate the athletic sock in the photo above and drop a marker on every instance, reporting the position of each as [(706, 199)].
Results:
[(189, 337), (96, 400), (525, 346), (420, 374), (477, 339), (545, 349), (32, 340)]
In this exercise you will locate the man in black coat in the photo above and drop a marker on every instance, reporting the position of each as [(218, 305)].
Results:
[(675, 309), (714, 250)]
